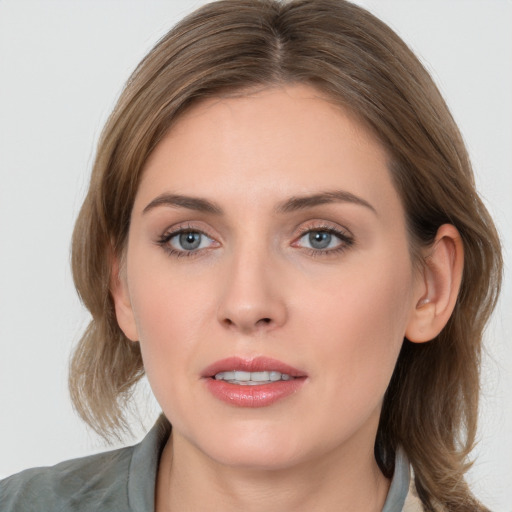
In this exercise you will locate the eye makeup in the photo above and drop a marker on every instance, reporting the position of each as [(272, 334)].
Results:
[(316, 240)]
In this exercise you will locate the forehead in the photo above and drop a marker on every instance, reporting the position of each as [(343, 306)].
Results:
[(283, 140)]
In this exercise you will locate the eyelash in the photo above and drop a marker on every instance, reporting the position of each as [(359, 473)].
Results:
[(346, 241), (164, 240)]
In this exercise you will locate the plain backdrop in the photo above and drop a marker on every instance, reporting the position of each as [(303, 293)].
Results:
[(62, 65)]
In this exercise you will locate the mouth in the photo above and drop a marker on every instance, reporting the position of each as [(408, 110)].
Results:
[(242, 378), (256, 370), (256, 382)]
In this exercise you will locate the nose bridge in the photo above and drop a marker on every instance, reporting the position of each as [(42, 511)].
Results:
[(251, 298)]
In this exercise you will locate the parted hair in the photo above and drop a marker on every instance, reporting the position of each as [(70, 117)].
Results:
[(358, 62)]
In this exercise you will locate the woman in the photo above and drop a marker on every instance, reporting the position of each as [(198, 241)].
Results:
[(282, 232)]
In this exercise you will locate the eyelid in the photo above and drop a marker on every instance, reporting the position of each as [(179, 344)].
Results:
[(345, 237), (322, 225), (187, 227), (343, 234), (180, 227)]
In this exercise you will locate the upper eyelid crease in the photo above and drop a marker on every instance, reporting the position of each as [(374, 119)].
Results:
[(342, 234)]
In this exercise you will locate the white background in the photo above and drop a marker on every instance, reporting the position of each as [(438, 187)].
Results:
[(62, 65)]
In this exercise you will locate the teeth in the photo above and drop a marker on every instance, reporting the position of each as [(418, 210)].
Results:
[(260, 376), (225, 376), (252, 378), (243, 376)]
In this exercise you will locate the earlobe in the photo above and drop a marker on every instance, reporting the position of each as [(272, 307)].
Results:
[(441, 278), (121, 297)]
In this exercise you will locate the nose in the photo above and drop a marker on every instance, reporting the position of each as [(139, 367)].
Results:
[(253, 295)]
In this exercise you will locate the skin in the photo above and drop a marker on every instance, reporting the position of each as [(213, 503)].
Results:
[(256, 287)]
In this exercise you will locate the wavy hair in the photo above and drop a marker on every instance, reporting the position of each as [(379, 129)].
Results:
[(430, 406)]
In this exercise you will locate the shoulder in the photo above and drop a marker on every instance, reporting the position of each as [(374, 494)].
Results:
[(86, 484)]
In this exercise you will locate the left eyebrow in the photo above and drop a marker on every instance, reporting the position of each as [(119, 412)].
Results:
[(334, 196)]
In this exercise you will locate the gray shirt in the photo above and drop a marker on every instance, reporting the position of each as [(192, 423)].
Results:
[(122, 481)]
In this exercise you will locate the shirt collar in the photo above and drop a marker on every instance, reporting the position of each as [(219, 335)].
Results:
[(144, 466), (400, 483)]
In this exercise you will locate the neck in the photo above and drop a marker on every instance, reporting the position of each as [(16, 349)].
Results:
[(345, 479)]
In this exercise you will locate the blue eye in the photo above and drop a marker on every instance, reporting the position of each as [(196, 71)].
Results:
[(185, 242), (324, 240), (188, 241), (320, 239)]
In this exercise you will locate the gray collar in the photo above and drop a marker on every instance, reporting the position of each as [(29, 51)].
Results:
[(399, 485), (144, 466)]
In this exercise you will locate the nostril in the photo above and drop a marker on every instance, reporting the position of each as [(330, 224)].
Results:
[(248, 323)]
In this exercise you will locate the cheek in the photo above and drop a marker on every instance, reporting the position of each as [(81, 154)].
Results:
[(172, 311), (163, 347), (165, 317), (358, 323)]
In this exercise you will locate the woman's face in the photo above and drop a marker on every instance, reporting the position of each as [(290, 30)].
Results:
[(267, 238)]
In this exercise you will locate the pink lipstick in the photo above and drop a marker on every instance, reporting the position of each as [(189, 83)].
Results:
[(257, 382)]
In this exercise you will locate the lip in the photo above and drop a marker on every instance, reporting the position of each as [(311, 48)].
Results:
[(257, 364), (261, 395)]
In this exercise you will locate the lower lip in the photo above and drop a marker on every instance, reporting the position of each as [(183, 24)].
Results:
[(253, 396)]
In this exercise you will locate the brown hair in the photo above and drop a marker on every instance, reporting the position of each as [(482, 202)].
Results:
[(430, 407)]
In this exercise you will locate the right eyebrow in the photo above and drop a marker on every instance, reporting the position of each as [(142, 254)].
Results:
[(181, 201)]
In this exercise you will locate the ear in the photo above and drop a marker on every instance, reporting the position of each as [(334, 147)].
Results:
[(439, 286), (121, 296)]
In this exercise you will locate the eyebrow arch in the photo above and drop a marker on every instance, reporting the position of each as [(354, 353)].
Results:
[(333, 196), (181, 201)]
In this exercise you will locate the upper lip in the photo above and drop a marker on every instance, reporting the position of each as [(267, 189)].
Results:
[(257, 364)]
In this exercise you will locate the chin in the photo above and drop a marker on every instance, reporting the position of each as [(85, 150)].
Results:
[(258, 450)]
